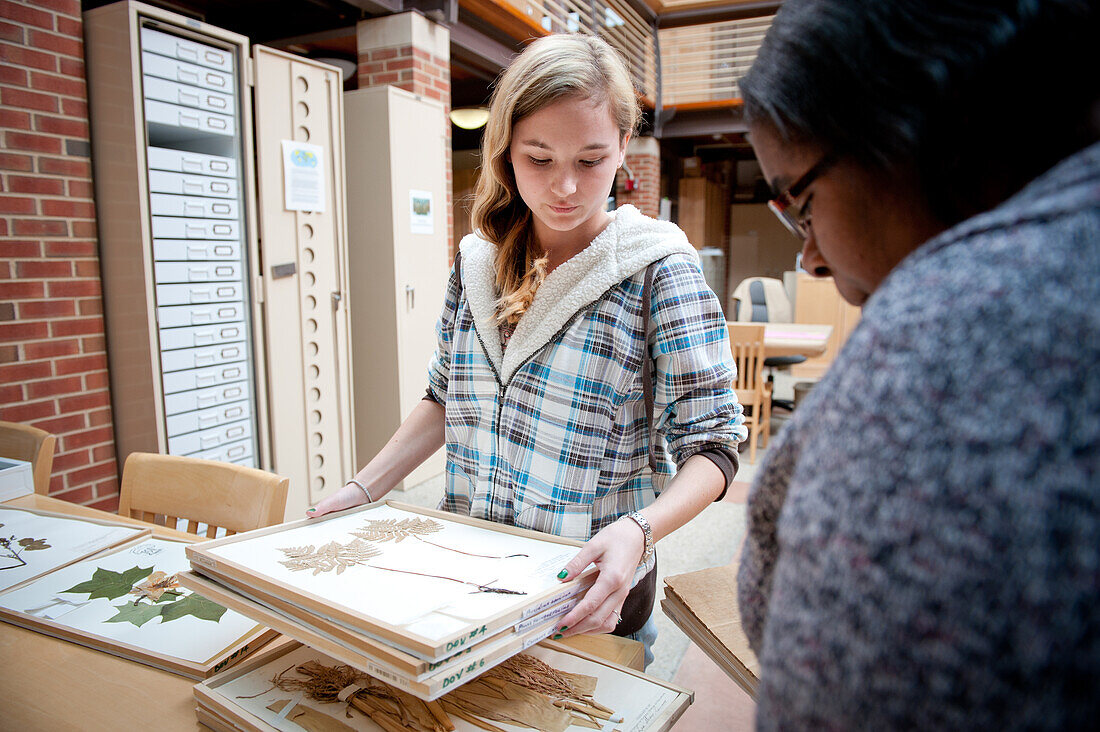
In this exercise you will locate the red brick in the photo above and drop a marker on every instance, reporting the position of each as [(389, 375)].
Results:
[(97, 380), (34, 143), (108, 504), (68, 209), (60, 44), (103, 452), (87, 438), (51, 349), (63, 85), (84, 228), (60, 426), (383, 54), (80, 189), (15, 120), (42, 269), (46, 308), (75, 288), (91, 306), (79, 495), (26, 15), (16, 205), (25, 412), (11, 393), (28, 57), (103, 416), (15, 248), (70, 27), (62, 126), (18, 290), (94, 344), (53, 387), (9, 32), (26, 99), (17, 372), (80, 364), (87, 268), (65, 166), (371, 68), (9, 161), (68, 7), (433, 94), (71, 67), (70, 248), (3, 227), (76, 326), (398, 64), (13, 331), (39, 227), (386, 78), (74, 107), (84, 402), (13, 75), (8, 354), (92, 474), (36, 184)]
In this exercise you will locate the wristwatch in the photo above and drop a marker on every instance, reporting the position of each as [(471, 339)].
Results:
[(647, 531)]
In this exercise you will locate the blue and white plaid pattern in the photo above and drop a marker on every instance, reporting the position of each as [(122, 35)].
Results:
[(562, 447)]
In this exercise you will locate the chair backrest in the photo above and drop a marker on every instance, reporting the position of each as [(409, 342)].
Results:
[(161, 489), (747, 346), (23, 442), (761, 300)]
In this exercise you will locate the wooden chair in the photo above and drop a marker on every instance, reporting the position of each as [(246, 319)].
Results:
[(161, 489), (23, 442), (753, 391)]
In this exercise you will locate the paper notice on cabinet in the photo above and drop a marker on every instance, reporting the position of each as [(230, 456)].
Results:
[(420, 211), (303, 176)]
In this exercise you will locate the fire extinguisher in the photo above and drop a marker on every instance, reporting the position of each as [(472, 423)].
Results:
[(631, 183)]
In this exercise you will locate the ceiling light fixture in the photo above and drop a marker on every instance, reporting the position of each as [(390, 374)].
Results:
[(470, 118)]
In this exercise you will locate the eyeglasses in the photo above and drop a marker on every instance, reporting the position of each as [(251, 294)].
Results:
[(791, 215)]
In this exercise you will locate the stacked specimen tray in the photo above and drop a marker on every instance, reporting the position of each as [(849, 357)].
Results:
[(424, 600), (703, 604), (251, 697)]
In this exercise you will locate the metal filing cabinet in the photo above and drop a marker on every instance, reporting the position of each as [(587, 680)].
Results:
[(211, 356)]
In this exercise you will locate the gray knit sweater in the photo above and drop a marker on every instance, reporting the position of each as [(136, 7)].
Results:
[(924, 538)]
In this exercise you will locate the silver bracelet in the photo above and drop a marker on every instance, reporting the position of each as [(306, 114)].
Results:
[(362, 487)]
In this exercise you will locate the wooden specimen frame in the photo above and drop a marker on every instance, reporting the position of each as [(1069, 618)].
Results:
[(108, 534), (420, 678), (247, 560), (217, 708), (233, 651)]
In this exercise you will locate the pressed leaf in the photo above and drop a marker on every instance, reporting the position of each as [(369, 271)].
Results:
[(196, 605), (137, 613), (395, 530), (109, 585), (33, 544), (157, 584), (331, 556)]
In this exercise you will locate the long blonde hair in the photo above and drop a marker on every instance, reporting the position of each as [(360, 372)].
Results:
[(550, 69)]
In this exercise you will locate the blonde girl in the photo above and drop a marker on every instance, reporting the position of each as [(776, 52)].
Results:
[(581, 383)]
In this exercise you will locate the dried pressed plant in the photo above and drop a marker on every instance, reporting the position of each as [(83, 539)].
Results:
[(333, 555), (382, 530)]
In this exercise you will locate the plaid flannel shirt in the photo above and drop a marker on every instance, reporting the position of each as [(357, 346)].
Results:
[(551, 434)]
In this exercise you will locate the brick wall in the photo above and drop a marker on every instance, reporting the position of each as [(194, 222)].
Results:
[(53, 360), (643, 157)]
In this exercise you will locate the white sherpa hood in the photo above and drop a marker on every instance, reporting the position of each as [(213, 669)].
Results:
[(630, 243)]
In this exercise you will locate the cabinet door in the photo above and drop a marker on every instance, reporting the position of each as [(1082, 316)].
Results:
[(304, 255), (418, 146), (817, 301)]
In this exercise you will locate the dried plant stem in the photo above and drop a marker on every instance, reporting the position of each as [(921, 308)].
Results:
[(480, 588), (457, 711), (469, 554)]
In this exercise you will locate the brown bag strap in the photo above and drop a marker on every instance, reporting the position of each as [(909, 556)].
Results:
[(647, 363), (638, 605)]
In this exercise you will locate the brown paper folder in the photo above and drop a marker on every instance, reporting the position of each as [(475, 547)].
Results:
[(703, 604)]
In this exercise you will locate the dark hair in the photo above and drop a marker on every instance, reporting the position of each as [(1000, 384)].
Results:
[(972, 99)]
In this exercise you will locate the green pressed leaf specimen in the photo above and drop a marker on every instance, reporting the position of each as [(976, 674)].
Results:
[(195, 605), (137, 613), (110, 585)]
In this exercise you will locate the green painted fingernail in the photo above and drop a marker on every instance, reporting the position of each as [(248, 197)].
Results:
[(556, 636), (564, 627), (563, 574)]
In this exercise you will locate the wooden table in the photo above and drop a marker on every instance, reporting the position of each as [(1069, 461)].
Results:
[(50, 684), (795, 339)]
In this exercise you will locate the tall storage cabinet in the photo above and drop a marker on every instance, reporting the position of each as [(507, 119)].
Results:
[(396, 162), (199, 364)]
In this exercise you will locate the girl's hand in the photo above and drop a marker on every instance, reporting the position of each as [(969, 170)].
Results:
[(616, 551), (347, 497)]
